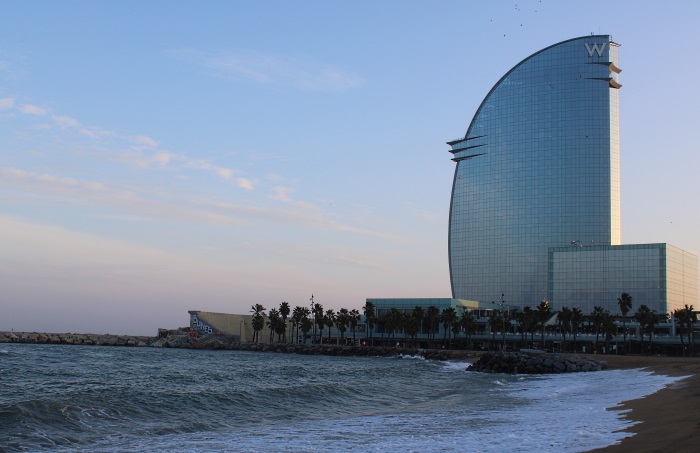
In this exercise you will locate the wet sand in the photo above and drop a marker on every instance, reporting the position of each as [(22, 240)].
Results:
[(670, 418)]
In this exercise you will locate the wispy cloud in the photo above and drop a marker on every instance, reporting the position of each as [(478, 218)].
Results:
[(27, 180), (142, 201), (6, 103), (143, 141), (272, 69), (309, 213), (141, 151), (30, 109), (65, 121)]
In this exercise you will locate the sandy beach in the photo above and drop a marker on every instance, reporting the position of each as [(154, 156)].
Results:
[(670, 418)]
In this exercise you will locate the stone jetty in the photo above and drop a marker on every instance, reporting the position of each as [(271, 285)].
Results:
[(335, 350), (74, 339), (533, 363)]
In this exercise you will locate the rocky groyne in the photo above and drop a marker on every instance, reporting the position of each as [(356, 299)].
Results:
[(334, 350), (75, 339), (183, 340), (533, 363)]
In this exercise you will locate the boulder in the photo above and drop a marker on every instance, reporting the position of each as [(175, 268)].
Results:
[(526, 363)]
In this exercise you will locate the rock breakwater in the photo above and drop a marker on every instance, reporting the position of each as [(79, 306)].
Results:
[(334, 350), (533, 363), (74, 339)]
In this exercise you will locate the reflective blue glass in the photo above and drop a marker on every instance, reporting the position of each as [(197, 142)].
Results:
[(537, 168)]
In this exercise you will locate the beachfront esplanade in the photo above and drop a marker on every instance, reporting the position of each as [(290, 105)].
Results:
[(539, 169)]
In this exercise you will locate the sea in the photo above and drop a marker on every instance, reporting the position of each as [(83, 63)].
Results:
[(121, 399)]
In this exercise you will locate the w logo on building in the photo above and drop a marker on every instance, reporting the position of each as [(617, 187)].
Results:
[(597, 48)]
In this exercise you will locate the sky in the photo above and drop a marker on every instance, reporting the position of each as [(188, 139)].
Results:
[(165, 156)]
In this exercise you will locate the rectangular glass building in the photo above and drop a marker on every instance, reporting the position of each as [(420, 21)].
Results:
[(660, 276)]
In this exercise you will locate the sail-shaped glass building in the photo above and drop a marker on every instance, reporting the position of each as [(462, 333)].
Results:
[(538, 167), (537, 170)]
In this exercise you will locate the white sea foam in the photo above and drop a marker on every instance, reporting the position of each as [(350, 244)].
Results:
[(567, 412)]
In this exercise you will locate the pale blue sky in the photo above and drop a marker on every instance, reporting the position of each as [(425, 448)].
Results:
[(158, 157)]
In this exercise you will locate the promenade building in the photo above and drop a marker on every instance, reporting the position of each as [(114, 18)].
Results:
[(535, 207)]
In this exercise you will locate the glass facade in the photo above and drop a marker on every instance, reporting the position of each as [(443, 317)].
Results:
[(660, 276), (537, 168)]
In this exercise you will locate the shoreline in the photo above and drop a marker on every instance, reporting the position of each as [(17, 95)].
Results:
[(668, 420)]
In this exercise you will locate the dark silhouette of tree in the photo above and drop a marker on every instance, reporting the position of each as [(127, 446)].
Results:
[(432, 315), (284, 313), (273, 323), (317, 313), (685, 318), (370, 318), (642, 317), (529, 321), (576, 320), (448, 318), (305, 324), (258, 321), (341, 322), (597, 316), (609, 329), (411, 326), (329, 320), (495, 323), (625, 304), (354, 321), (564, 317), (544, 312), (679, 320), (690, 318), (298, 314), (468, 323), (392, 321)]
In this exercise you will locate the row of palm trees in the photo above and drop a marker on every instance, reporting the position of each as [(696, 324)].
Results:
[(428, 320), (303, 319)]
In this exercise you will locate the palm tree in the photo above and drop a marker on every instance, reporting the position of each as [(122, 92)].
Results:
[(370, 317), (625, 304), (686, 317), (411, 326), (468, 323), (274, 319), (297, 315), (342, 321), (679, 318), (305, 325), (529, 320), (564, 322), (576, 320), (318, 320), (642, 317), (419, 315), (329, 320), (354, 320), (609, 329), (258, 321), (544, 312), (449, 318), (597, 316), (690, 319), (494, 323), (392, 321), (432, 314), (284, 313)]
